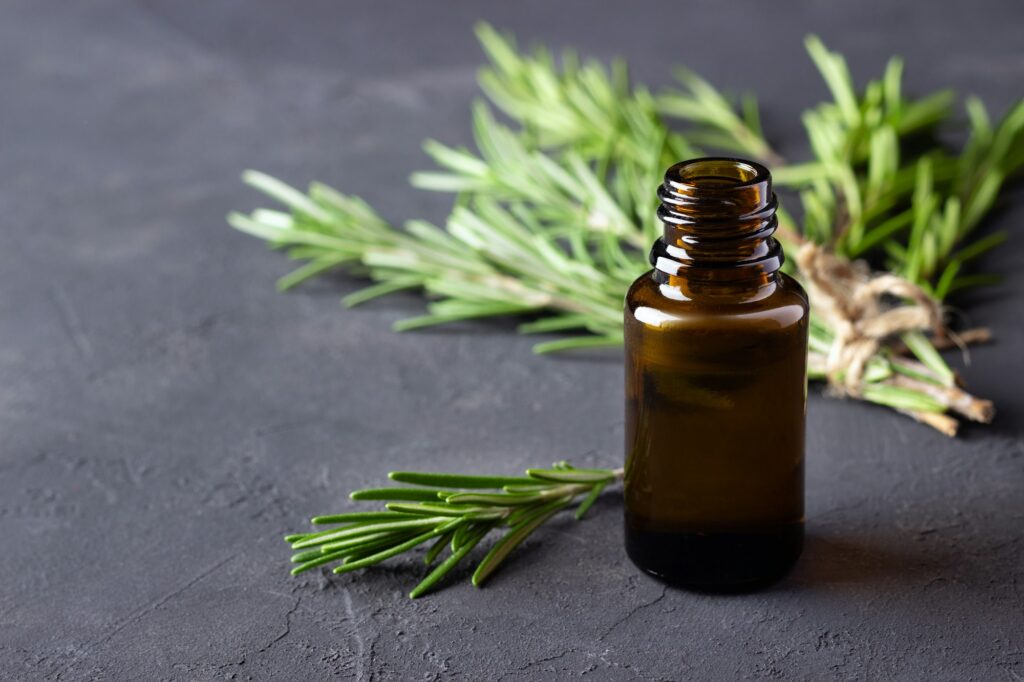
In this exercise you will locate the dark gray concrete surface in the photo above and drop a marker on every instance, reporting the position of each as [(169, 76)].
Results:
[(165, 416)]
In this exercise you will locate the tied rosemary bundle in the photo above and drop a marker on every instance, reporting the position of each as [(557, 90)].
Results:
[(449, 511), (554, 214)]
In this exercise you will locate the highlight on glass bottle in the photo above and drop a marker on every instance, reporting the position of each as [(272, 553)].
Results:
[(716, 385)]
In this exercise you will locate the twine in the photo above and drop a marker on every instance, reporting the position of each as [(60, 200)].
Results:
[(862, 310)]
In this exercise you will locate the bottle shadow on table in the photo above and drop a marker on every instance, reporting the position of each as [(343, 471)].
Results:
[(898, 560), (830, 561)]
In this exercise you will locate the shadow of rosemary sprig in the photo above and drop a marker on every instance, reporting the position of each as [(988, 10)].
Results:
[(451, 511)]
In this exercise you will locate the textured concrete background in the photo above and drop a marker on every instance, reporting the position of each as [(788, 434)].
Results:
[(165, 416)]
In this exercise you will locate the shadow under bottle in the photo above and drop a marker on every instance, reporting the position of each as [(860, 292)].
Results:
[(716, 386)]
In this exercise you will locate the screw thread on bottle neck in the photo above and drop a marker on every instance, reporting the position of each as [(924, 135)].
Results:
[(719, 217)]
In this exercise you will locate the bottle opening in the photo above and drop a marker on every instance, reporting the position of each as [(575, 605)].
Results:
[(716, 172)]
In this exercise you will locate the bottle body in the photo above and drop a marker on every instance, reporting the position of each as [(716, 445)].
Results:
[(715, 398)]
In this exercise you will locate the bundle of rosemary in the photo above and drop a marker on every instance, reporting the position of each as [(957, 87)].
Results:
[(554, 214)]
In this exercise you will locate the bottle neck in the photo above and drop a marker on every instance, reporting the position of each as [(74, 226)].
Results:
[(719, 217)]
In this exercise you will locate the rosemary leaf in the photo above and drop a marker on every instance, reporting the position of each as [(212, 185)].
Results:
[(513, 538), (358, 516), (495, 499), (456, 480), (590, 499), (462, 510), (404, 494), (386, 554), (926, 353), (448, 564), (350, 531), (574, 476), (320, 561), (438, 546)]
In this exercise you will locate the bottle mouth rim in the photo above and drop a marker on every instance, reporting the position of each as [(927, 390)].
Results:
[(738, 174)]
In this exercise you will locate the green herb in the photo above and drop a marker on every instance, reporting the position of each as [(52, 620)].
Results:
[(867, 192), (452, 515), (554, 214)]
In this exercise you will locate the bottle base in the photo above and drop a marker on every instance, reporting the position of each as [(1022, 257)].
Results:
[(717, 562)]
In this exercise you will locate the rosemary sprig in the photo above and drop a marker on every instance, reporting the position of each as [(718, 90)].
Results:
[(554, 214), (870, 190), (454, 512)]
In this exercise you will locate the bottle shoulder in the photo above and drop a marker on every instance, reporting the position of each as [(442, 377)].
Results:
[(781, 303)]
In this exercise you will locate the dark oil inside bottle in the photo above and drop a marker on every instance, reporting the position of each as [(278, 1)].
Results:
[(716, 341)]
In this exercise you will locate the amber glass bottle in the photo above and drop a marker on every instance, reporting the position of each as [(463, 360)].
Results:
[(716, 386)]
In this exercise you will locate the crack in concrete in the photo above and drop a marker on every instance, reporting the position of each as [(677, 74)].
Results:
[(72, 323), (139, 614), (287, 626), (350, 615), (536, 662), (632, 612)]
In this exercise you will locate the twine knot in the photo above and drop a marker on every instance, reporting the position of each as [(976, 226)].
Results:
[(862, 310)]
